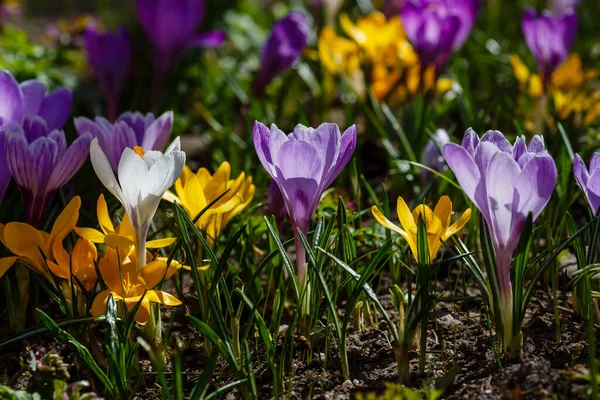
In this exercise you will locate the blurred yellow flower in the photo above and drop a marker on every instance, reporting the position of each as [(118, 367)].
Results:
[(377, 36), (196, 190), (337, 54), (570, 89), (118, 270), (120, 237), (436, 221), (32, 247)]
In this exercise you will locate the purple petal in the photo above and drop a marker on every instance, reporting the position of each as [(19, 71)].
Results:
[(44, 154), (500, 178), (33, 96), (19, 161), (467, 173), (208, 39), (535, 185), (70, 162), (595, 162), (581, 172), (56, 107), (470, 141), (498, 139), (537, 145), (347, 147), (158, 134), (592, 191), (5, 175), (11, 106), (519, 148), (34, 127)]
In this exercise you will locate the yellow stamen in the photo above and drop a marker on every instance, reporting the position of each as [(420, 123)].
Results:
[(139, 151)]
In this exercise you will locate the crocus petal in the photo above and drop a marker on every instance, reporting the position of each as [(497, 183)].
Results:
[(11, 107), (116, 241), (386, 222), (157, 135), (104, 171), (70, 162), (56, 108), (501, 177), (160, 243), (99, 304), (158, 296), (535, 185), (33, 96), (443, 210), (462, 164), (6, 263), (458, 225), (19, 160), (93, 235)]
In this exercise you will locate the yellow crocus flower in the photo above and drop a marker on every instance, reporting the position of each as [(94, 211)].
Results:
[(81, 262), (120, 237), (337, 54), (196, 190), (118, 270), (376, 35), (436, 221), (32, 247)]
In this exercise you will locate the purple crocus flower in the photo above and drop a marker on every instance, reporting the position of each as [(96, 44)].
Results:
[(282, 49), (129, 130), (109, 54), (506, 182), (549, 38), (42, 165), (589, 180), (436, 28), (28, 105), (171, 26), (432, 156), (303, 164)]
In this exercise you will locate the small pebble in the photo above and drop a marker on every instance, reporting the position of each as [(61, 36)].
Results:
[(355, 382), (347, 384)]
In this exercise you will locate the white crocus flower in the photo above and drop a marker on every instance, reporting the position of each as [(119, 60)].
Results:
[(143, 178)]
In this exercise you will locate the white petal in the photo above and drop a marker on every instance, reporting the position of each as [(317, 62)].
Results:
[(152, 156), (104, 171), (132, 176), (174, 146)]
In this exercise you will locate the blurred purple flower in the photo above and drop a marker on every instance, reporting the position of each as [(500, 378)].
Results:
[(549, 38), (282, 49), (589, 180), (42, 165), (303, 164), (436, 28), (171, 26), (561, 7), (276, 205), (109, 54), (432, 155), (506, 183), (129, 130)]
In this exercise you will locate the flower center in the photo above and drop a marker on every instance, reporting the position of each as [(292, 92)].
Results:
[(139, 151)]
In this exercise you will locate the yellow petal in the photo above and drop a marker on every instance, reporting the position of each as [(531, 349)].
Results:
[(153, 272), (125, 228), (115, 269), (405, 216), (351, 30), (143, 312), (62, 266), (103, 217), (158, 296), (93, 235), (386, 222), (160, 243), (65, 222), (99, 304), (194, 194), (6, 263), (117, 241), (84, 254), (458, 225), (25, 241), (443, 210)]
